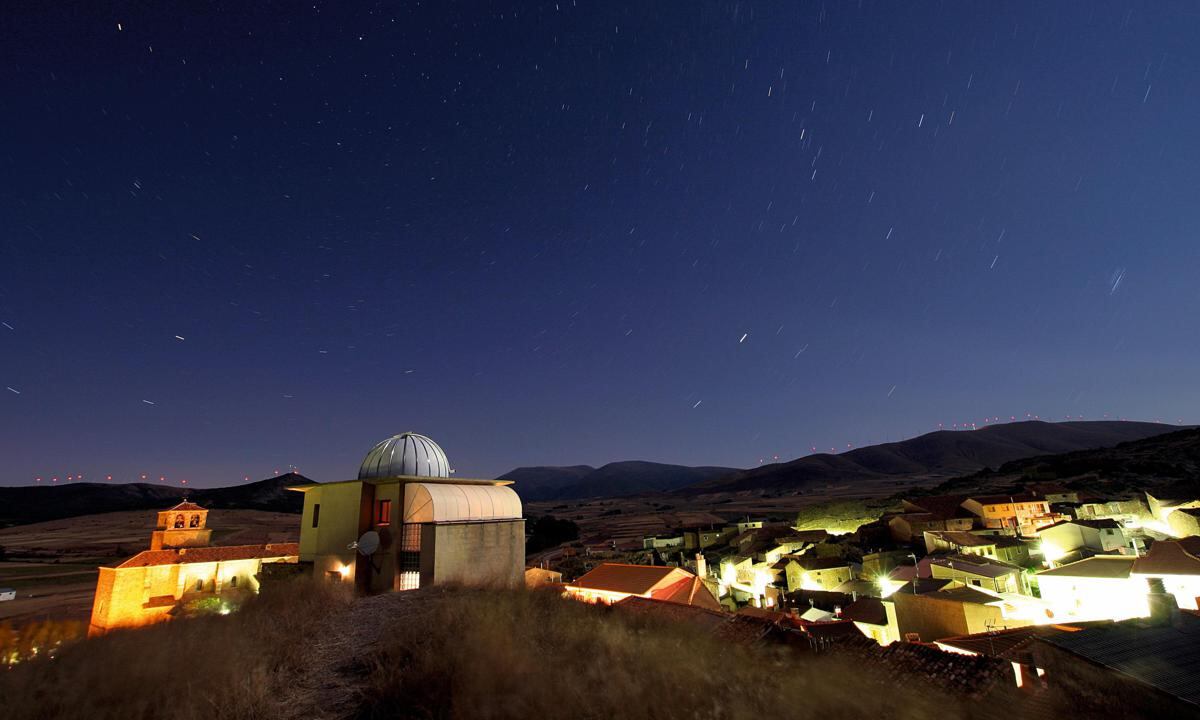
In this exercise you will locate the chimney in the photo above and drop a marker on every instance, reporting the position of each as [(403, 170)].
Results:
[(1163, 608), (701, 566)]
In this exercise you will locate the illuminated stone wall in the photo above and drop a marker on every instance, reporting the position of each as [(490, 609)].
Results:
[(474, 553)]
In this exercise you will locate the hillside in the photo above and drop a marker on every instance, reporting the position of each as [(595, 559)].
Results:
[(544, 482), (1169, 463), (941, 454), (39, 503), (308, 651), (612, 480)]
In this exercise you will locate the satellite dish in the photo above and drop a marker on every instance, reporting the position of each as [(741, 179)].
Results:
[(368, 543)]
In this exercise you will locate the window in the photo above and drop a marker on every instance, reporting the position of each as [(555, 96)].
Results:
[(383, 512), (199, 585), (316, 514), (195, 522), (233, 581), (178, 521)]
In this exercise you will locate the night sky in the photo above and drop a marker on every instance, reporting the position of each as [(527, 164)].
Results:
[(240, 237)]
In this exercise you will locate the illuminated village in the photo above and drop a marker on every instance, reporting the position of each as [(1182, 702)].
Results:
[(1048, 583)]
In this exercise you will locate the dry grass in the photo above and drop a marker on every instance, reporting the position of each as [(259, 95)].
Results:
[(207, 667), (308, 651), (533, 655)]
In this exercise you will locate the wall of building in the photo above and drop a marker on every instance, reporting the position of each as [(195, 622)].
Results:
[(1185, 588), (1012, 582), (1081, 598), (121, 596), (338, 522), (934, 618), (473, 553)]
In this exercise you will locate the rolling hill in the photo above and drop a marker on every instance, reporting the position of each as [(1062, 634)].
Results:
[(1167, 463), (936, 455), (38, 503), (612, 480)]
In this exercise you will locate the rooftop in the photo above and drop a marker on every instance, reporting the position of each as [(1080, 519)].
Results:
[(1166, 657), (867, 610), (631, 579), (975, 565), (1108, 567), (1010, 498), (1104, 524), (940, 506), (184, 506), (962, 538), (1167, 557), (183, 556), (1010, 643), (964, 595)]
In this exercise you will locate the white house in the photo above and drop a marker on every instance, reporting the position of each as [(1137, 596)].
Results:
[(1098, 588), (1073, 536), (1177, 562)]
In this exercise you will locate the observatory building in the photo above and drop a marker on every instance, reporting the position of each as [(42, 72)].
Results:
[(404, 523)]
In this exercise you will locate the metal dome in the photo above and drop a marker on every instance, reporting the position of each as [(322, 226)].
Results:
[(405, 454)]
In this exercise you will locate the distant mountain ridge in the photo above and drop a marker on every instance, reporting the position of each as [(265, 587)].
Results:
[(936, 455), (629, 477), (1167, 464), (38, 503)]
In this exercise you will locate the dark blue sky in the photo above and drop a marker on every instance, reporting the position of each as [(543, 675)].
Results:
[(578, 232)]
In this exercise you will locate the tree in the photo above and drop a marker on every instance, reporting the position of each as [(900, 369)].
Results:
[(548, 531)]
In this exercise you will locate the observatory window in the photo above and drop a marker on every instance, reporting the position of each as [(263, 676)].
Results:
[(316, 514), (383, 512)]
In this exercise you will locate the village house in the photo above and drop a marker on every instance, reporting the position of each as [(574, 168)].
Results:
[(1114, 587), (536, 578), (1145, 666), (874, 618), (1096, 588), (1177, 564), (812, 572), (952, 610), (704, 538), (1021, 513), (1070, 540), (180, 569), (610, 583), (1004, 548), (935, 512), (981, 572), (1129, 512), (662, 542)]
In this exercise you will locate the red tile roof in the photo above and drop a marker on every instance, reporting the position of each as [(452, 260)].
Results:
[(1008, 643), (185, 506), (1167, 557), (182, 556), (688, 591), (941, 506), (622, 578)]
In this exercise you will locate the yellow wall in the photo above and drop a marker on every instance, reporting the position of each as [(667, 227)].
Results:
[(338, 523)]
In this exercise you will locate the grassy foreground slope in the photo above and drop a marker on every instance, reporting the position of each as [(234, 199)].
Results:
[(440, 654)]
